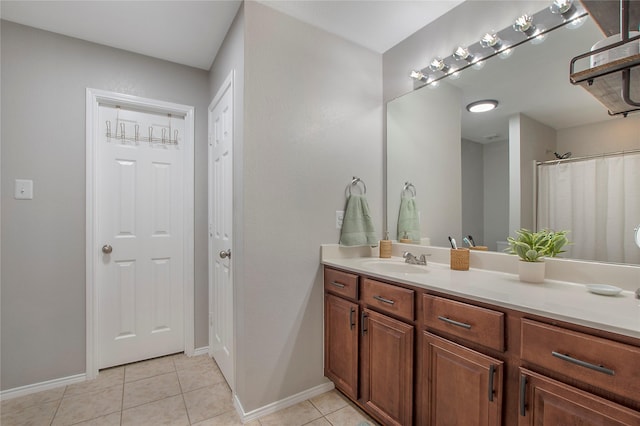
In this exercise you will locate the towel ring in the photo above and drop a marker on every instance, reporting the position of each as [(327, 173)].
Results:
[(408, 186), (354, 182)]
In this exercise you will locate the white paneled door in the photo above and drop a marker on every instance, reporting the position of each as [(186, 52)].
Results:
[(221, 338), (139, 275)]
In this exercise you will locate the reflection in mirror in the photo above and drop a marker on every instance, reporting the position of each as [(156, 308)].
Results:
[(474, 173)]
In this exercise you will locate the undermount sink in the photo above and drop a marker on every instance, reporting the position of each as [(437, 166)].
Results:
[(391, 266)]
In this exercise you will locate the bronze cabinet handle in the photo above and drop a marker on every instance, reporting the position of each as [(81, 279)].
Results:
[(584, 364), (456, 323)]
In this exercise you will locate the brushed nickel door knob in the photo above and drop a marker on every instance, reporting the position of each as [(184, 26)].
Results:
[(106, 249), (224, 254)]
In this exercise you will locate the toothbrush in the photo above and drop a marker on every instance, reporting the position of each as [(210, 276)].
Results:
[(473, 243), (453, 243), (466, 240)]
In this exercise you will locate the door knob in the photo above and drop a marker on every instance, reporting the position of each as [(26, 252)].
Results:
[(106, 249), (224, 254)]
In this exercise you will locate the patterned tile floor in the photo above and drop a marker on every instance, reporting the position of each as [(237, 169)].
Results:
[(172, 390)]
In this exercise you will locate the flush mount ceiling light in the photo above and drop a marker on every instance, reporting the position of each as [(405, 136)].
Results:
[(524, 24), (462, 53), (482, 106)]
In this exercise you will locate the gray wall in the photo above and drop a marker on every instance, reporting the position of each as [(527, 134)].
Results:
[(496, 192), (313, 120), (44, 77), (473, 187), (614, 134), (529, 141), (485, 191), (423, 147)]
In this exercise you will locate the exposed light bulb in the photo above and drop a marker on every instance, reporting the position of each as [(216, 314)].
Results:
[(438, 64), (566, 8), (418, 75), (491, 40), (524, 24), (462, 53)]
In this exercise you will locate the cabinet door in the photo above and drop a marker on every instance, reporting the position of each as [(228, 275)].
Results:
[(341, 344), (544, 401), (387, 368), (461, 387)]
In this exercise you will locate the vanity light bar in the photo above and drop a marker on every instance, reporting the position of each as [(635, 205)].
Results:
[(525, 28)]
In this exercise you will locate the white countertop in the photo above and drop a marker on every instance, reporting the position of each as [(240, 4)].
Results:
[(560, 300)]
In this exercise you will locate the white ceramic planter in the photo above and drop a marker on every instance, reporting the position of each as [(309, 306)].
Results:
[(531, 272)]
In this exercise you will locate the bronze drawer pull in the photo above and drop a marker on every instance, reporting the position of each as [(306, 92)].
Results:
[(584, 364), (363, 329), (382, 299), (453, 322), (523, 396), (492, 372), (352, 322), (337, 284)]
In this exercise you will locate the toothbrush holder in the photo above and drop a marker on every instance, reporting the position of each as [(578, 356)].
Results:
[(481, 248), (460, 259)]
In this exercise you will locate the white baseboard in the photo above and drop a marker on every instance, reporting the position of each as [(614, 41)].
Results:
[(201, 351), (42, 386), (279, 405)]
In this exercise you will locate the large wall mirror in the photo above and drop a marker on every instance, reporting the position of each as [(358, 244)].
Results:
[(475, 174)]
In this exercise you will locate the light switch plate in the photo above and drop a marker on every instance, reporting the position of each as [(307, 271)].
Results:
[(23, 189)]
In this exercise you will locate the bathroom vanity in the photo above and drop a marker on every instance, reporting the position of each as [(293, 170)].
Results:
[(425, 345)]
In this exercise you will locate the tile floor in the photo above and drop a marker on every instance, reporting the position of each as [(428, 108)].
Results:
[(172, 390)]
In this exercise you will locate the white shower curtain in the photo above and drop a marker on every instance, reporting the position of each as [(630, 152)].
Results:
[(598, 201)]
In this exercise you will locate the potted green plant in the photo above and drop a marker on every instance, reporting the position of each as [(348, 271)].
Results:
[(532, 248)]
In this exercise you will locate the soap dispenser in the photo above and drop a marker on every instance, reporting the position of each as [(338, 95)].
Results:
[(385, 246)]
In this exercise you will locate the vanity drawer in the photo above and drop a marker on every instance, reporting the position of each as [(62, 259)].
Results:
[(479, 325), (595, 361), (341, 283), (388, 298)]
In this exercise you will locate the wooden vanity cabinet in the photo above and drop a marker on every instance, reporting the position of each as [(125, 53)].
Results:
[(387, 368), (571, 360), (387, 348), (341, 325), (369, 344), (459, 385), (409, 356), (547, 402), (341, 328)]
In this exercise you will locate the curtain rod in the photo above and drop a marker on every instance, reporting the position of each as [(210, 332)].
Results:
[(587, 157)]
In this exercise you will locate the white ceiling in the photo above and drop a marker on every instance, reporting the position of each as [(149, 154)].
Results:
[(191, 32)]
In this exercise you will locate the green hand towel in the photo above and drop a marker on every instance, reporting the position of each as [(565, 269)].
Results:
[(357, 226), (408, 220)]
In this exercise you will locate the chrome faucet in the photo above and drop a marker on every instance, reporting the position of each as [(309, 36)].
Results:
[(413, 260)]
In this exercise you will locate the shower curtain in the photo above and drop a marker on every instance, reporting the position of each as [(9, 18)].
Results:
[(598, 201)]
